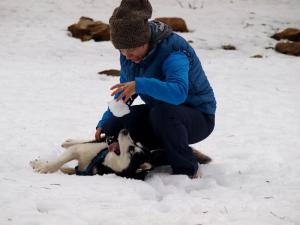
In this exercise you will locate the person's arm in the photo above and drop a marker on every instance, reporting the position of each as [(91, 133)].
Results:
[(107, 114), (174, 89)]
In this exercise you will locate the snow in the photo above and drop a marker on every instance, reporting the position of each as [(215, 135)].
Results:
[(50, 91)]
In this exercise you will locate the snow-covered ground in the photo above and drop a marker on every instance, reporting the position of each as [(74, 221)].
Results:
[(50, 91)]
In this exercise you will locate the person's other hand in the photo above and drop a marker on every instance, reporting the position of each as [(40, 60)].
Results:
[(98, 134), (127, 89)]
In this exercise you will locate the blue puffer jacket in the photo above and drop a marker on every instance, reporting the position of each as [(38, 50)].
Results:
[(171, 72)]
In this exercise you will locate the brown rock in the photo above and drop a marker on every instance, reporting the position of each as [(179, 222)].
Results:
[(87, 29), (257, 56), (177, 24), (289, 48), (111, 72), (292, 34), (228, 47)]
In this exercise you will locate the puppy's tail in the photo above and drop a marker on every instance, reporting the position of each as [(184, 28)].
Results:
[(68, 170), (202, 158)]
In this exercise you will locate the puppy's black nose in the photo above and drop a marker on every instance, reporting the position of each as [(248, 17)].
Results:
[(125, 132)]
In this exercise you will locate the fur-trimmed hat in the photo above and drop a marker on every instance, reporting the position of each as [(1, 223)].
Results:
[(129, 26)]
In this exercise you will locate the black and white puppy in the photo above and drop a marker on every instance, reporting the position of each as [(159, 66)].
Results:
[(124, 158)]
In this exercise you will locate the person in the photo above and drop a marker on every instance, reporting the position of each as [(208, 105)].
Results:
[(163, 69)]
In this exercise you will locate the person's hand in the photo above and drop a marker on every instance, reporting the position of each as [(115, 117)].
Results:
[(98, 134), (127, 89)]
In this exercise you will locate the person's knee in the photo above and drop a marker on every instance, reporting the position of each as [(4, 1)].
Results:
[(162, 114)]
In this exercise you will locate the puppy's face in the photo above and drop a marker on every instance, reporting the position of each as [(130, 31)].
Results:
[(127, 145), (130, 158)]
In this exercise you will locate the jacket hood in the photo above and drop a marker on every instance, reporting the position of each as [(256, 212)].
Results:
[(159, 31)]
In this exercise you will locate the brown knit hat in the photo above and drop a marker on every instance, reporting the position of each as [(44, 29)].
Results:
[(129, 26)]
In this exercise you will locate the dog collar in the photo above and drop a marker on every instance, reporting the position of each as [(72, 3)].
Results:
[(97, 159)]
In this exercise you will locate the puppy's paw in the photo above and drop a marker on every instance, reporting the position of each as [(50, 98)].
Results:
[(67, 143), (34, 163), (41, 166), (144, 167)]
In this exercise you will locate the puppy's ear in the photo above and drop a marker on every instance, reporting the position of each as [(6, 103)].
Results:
[(139, 144), (144, 148)]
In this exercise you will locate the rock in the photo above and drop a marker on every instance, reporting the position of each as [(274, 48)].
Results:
[(257, 56), (228, 47), (292, 34), (111, 72), (177, 24), (87, 29), (289, 48)]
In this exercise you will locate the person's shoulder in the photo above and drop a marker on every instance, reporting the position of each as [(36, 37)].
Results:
[(175, 59), (176, 40)]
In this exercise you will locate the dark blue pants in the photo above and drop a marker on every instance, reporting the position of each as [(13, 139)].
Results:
[(169, 127)]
